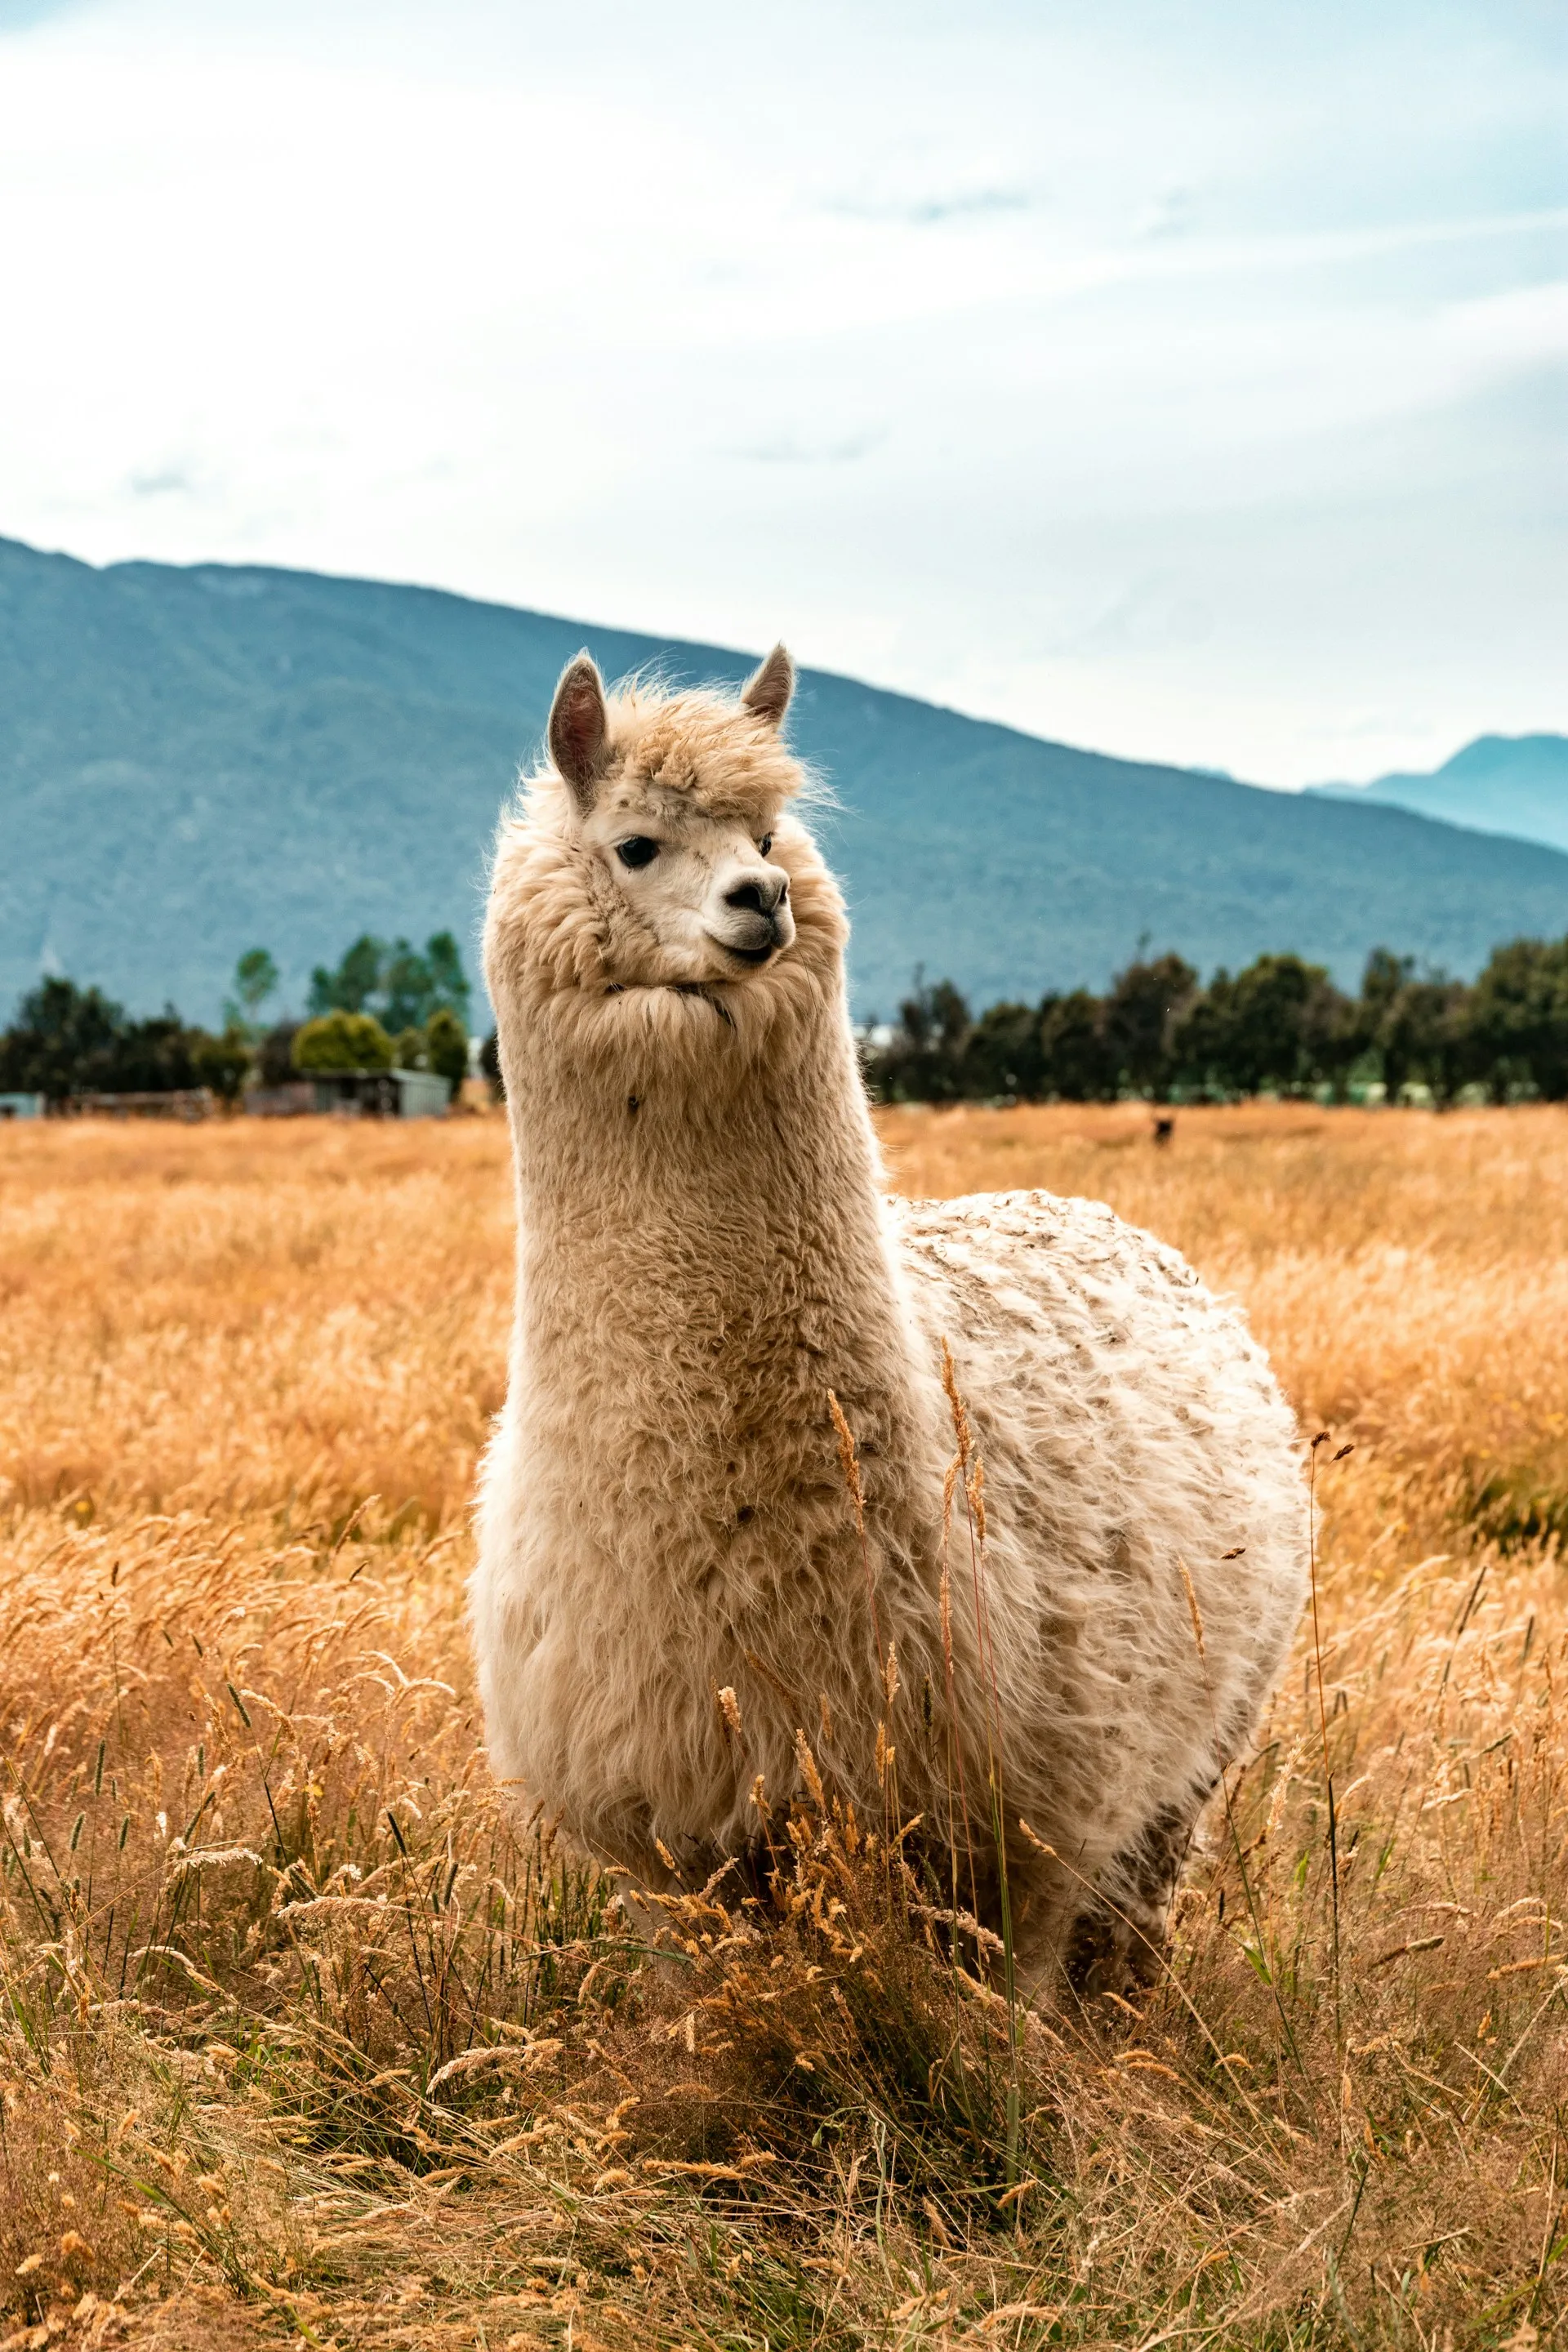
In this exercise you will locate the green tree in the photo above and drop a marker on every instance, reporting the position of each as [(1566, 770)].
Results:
[(155, 1056), (1145, 1005), (407, 990), (448, 981), (922, 1060), (1076, 1062), (355, 980), (1335, 1034), (64, 1041), (1423, 1033), (1279, 1023), (342, 1042), (68, 1041), (1518, 1023), (255, 979), (401, 984), (1001, 1055), (1201, 1058), (1386, 974)]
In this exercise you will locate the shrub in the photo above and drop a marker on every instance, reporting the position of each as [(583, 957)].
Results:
[(275, 1054), (340, 1042), (447, 1046), (221, 1063)]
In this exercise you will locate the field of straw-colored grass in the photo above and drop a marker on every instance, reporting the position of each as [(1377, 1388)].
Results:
[(303, 2038)]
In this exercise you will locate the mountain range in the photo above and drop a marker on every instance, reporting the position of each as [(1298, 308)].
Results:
[(1516, 785), (197, 760)]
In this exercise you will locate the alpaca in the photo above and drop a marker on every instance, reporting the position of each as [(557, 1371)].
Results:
[(705, 1251)]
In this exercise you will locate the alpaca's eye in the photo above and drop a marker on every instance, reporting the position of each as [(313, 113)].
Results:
[(638, 851), (765, 843)]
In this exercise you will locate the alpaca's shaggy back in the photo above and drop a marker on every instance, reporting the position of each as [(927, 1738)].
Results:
[(704, 1255)]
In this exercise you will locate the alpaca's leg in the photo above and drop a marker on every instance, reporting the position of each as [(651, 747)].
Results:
[(1120, 1940), (1043, 1900)]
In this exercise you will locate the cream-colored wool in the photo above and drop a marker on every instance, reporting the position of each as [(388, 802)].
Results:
[(704, 1253)]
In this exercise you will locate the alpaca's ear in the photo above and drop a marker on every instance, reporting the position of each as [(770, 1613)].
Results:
[(580, 728), (767, 696)]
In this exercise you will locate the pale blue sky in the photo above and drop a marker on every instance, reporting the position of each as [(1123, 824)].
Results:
[(1183, 380)]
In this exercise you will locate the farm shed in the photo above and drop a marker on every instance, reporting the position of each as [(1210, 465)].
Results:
[(356, 1094)]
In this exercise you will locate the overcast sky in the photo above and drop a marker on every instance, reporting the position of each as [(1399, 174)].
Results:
[(1182, 380)]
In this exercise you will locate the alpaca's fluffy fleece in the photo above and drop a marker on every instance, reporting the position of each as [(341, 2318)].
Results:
[(704, 1253), (1128, 1427)]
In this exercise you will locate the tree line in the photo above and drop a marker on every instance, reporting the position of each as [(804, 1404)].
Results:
[(384, 1005), (1279, 1026)]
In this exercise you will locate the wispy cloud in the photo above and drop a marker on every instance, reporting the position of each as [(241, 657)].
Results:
[(1171, 214), (932, 211), (163, 482)]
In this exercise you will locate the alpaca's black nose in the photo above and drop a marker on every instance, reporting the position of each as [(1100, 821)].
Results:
[(763, 897)]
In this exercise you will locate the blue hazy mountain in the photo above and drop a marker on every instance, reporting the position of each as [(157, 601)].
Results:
[(197, 760), (1516, 785)]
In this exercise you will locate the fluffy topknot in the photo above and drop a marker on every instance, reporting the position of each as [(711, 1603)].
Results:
[(701, 742)]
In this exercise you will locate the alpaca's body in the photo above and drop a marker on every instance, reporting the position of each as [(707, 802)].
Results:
[(704, 1253)]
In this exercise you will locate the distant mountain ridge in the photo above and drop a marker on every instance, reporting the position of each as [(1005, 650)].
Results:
[(197, 760), (1515, 784)]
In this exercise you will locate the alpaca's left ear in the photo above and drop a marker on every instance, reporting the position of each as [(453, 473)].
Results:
[(767, 696), (579, 730)]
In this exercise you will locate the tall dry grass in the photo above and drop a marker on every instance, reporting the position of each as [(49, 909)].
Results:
[(305, 2039)]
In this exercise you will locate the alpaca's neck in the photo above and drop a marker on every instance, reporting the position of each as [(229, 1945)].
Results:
[(702, 1258)]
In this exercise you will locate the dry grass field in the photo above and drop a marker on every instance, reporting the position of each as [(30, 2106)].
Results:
[(303, 2039)]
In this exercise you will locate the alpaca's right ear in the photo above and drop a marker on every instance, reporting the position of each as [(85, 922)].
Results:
[(580, 730), (767, 691)]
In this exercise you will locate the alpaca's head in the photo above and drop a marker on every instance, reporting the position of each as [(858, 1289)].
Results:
[(658, 850)]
